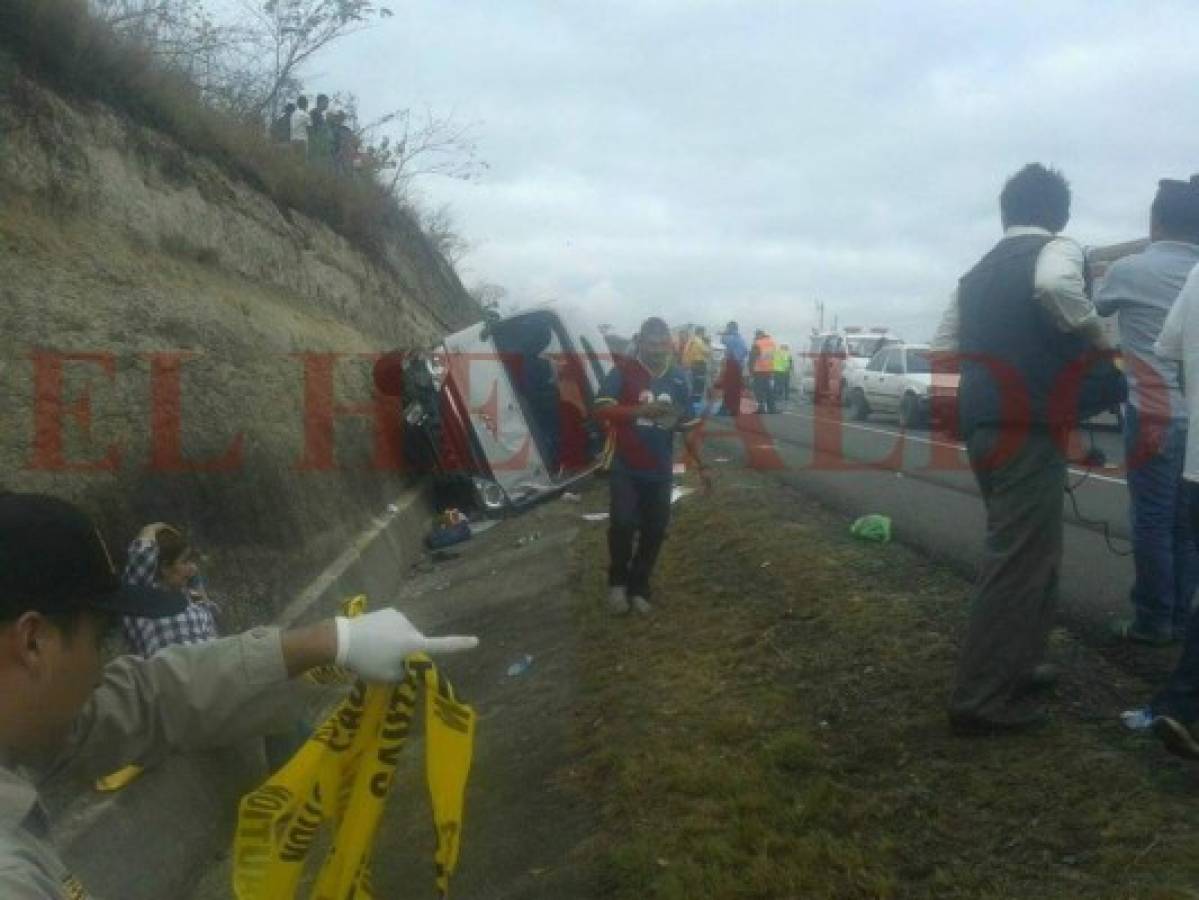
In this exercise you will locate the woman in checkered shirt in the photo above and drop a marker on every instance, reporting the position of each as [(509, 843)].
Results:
[(162, 557)]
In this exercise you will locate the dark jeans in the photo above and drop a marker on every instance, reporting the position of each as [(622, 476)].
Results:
[(1016, 594), (1180, 697), (764, 392), (638, 513), (1167, 562), (699, 391)]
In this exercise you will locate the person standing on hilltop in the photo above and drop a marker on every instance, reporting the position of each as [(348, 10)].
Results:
[(345, 144), (300, 123), (281, 127), (320, 133)]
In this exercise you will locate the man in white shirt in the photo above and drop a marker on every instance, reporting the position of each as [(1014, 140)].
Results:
[(1017, 322), (300, 123)]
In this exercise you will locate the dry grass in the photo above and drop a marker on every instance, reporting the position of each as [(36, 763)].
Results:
[(778, 731), (58, 43)]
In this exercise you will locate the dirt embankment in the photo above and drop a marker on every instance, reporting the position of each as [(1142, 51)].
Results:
[(116, 245)]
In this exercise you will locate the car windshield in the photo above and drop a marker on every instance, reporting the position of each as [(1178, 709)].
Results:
[(865, 346), (918, 363)]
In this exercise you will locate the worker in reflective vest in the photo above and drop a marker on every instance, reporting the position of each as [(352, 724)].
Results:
[(782, 373), (761, 364)]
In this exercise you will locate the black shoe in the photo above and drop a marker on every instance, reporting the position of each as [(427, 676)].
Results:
[(1178, 738), (964, 725), (1040, 678)]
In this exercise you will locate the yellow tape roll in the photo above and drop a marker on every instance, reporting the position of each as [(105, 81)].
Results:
[(340, 779)]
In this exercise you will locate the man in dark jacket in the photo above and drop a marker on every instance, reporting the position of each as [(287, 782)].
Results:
[(1019, 320)]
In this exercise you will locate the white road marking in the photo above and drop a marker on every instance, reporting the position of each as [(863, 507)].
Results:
[(1110, 479)]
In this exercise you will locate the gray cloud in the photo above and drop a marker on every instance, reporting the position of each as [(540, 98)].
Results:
[(708, 160)]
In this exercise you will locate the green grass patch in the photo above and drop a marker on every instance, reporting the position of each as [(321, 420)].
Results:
[(777, 729)]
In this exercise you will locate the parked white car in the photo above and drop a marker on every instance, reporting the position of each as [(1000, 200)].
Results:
[(898, 379)]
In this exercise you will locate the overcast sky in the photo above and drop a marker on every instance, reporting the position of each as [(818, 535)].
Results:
[(714, 160)]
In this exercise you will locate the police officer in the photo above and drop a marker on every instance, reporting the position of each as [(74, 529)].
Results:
[(61, 706)]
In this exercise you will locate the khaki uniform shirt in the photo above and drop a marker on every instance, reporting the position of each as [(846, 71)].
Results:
[(183, 698)]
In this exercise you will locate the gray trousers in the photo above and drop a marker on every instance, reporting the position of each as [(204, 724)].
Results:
[(1016, 595)]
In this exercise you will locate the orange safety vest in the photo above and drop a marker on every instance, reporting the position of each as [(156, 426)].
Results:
[(764, 364)]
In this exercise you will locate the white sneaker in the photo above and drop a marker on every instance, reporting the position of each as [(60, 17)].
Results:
[(618, 600), (641, 605)]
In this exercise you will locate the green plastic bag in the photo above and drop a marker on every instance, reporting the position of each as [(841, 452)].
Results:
[(873, 527)]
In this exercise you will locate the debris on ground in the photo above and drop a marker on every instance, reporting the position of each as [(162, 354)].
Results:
[(570, 497), (1137, 719), (873, 527), (596, 517), (447, 536), (528, 539), (520, 666), (679, 493)]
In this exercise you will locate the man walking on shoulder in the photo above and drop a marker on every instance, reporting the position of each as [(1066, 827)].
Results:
[(735, 353), (643, 401), (1019, 319), (1140, 290)]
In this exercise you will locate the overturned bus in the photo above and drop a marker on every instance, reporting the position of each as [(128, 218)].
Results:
[(500, 413)]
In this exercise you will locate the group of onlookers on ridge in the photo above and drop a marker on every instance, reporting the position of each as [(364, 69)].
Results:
[(319, 135)]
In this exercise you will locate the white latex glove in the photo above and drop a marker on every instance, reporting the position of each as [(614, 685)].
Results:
[(375, 645)]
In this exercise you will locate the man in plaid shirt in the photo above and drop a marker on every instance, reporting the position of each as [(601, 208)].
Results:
[(161, 557)]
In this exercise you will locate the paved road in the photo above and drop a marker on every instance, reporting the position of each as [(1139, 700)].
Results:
[(923, 483)]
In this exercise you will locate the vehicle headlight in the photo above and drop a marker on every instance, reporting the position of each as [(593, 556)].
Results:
[(490, 493), (438, 368)]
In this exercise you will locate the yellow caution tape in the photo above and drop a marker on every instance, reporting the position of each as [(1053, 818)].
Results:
[(331, 674), (341, 778), (118, 779)]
